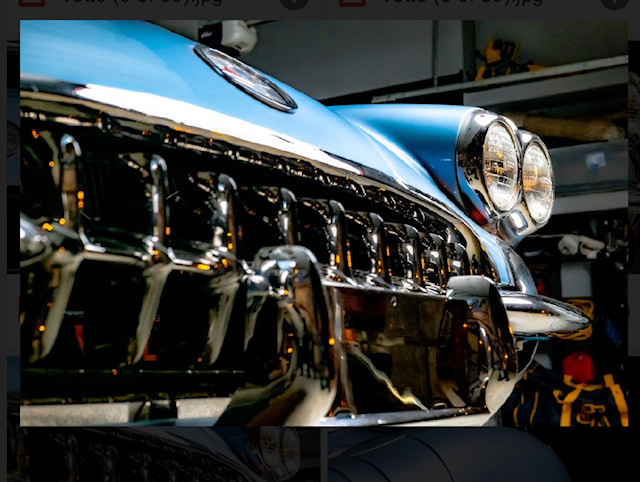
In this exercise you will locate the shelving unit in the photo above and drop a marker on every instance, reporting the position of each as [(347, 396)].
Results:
[(584, 188), (565, 95), (607, 64)]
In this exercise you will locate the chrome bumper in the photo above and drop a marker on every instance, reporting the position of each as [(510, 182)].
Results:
[(373, 298), (535, 317)]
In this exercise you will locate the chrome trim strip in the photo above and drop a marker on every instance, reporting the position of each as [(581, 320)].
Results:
[(397, 418), (126, 109), (287, 105), (287, 277), (510, 225), (537, 316)]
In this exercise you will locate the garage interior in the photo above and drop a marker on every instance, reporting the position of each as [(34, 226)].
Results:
[(541, 76)]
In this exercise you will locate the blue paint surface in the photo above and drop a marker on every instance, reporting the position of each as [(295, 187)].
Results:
[(427, 134)]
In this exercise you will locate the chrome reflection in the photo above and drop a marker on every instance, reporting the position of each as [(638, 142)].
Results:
[(282, 326), (477, 364), (534, 316), (287, 326), (470, 153), (519, 223), (516, 222), (202, 130), (385, 342)]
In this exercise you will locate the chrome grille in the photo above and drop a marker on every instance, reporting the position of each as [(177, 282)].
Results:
[(151, 205)]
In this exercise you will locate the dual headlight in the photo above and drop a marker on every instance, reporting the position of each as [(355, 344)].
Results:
[(506, 172)]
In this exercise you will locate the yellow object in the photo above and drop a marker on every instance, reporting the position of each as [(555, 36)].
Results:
[(588, 409), (618, 396), (585, 305), (499, 59)]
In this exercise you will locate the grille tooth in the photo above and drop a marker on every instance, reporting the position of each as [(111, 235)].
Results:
[(338, 240), (367, 247), (404, 254), (159, 192), (412, 254), (377, 247), (395, 256), (458, 260), (433, 259), (288, 217), (155, 275), (323, 231), (227, 229)]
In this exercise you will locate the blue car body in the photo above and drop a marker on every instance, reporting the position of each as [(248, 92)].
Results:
[(103, 101), (153, 60)]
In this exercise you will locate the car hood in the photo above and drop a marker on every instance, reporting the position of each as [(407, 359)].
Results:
[(146, 58), (422, 134), (142, 57)]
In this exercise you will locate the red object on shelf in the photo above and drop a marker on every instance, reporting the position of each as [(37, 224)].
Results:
[(79, 329), (580, 366), (146, 356)]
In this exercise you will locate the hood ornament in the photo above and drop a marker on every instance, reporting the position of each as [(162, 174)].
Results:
[(247, 79)]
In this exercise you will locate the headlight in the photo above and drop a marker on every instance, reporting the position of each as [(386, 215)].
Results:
[(500, 167), (537, 178), (505, 176)]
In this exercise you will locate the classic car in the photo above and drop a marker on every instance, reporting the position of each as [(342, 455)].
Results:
[(200, 241)]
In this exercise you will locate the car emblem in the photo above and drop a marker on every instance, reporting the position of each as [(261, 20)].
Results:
[(247, 79)]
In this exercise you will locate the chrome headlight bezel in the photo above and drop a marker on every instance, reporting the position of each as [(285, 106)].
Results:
[(536, 142), (511, 223), (514, 195), (470, 156)]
